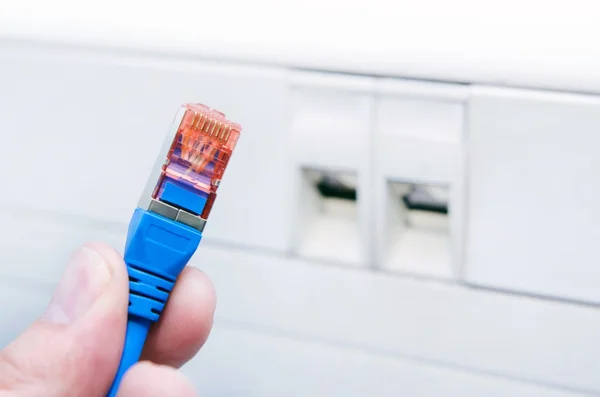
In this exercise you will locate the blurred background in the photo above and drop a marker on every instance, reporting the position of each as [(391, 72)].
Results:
[(412, 209)]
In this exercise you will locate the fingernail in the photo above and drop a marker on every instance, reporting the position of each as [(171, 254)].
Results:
[(85, 278)]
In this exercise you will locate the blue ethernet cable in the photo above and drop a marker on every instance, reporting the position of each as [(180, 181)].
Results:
[(166, 228)]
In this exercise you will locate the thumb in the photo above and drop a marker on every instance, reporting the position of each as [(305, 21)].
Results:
[(74, 348)]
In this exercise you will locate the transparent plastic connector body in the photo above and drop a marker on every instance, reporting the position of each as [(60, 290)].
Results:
[(191, 164)]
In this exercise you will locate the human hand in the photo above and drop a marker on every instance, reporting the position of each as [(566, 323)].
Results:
[(74, 349)]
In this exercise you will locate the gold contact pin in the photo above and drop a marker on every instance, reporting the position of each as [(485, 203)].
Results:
[(206, 128), (228, 133), (225, 132), (198, 121), (194, 118), (220, 130), (204, 120)]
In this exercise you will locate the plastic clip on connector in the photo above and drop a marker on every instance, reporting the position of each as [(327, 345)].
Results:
[(167, 226)]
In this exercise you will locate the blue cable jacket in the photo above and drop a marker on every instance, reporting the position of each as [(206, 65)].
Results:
[(137, 330), (156, 251)]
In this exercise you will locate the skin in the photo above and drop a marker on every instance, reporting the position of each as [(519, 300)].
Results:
[(75, 347)]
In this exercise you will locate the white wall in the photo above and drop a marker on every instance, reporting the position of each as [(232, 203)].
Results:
[(84, 127), (530, 43)]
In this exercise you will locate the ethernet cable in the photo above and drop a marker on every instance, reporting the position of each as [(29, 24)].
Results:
[(166, 228)]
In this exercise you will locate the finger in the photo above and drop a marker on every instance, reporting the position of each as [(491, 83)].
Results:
[(186, 321), (150, 380), (74, 348)]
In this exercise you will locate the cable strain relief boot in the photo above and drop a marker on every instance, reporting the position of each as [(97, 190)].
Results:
[(156, 252)]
